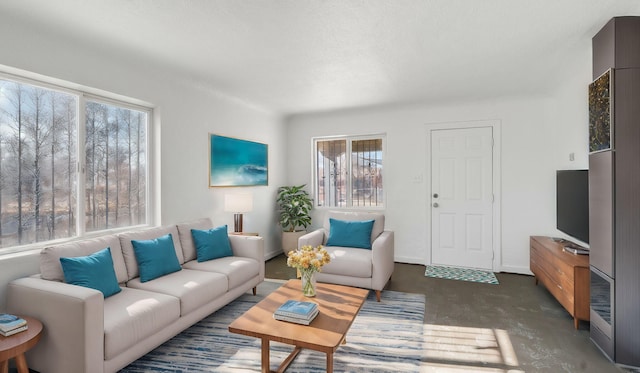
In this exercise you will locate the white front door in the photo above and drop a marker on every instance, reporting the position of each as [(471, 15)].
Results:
[(462, 197)]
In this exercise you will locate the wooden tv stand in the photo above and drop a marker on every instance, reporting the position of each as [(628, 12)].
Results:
[(565, 275)]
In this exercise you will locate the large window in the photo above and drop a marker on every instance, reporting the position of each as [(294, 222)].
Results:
[(349, 171), (49, 187)]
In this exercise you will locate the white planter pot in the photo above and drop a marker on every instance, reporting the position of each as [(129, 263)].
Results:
[(290, 240)]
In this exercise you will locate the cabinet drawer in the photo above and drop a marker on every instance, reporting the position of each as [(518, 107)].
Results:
[(564, 298), (564, 275), (556, 267)]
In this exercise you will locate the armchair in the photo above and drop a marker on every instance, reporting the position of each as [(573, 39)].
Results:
[(351, 266)]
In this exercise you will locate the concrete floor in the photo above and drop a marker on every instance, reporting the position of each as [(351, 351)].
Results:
[(515, 326)]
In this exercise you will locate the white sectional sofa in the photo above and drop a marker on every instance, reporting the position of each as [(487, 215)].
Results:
[(84, 332)]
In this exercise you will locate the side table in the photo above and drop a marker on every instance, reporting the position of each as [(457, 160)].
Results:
[(16, 345)]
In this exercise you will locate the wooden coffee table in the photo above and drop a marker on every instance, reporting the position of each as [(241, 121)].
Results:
[(338, 307)]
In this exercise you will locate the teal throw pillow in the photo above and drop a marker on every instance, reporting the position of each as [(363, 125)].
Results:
[(156, 257), (94, 271), (212, 243), (346, 233)]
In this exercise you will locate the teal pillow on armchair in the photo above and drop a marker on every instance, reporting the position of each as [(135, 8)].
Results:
[(347, 233)]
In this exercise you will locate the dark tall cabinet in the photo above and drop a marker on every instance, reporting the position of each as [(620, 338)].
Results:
[(614, 182)]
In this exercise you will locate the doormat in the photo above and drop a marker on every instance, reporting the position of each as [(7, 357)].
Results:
[(462, 274)]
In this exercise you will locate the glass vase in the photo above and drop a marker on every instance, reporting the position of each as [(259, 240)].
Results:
[(308, 279)]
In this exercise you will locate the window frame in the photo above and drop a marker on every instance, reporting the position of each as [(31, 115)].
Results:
[(348, 150), (83, 94)]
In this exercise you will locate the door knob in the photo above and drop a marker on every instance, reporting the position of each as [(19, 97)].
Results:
[(435, 204), (435, 195)]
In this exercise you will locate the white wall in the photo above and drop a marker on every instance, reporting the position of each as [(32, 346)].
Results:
[(186, 111), (538, 133)]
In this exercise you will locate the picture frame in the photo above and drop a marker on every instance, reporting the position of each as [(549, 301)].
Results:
[(235, 162), (601, 113)]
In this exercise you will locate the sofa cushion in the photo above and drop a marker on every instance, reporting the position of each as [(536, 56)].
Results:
[(93, 271), (237, 269), (51, 269), (349, 261), (156, 257), (147, 234), (193, 288), (186, 239), (350, 233), (378, 224), (211, 243), (133, 315)]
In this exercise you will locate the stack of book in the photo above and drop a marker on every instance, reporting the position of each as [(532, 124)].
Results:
[(297, 312), (11, 324)]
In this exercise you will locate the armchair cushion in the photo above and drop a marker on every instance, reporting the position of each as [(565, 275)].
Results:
[(349, 261), (350, 233)]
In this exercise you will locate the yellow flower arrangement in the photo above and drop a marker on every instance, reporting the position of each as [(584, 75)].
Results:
[(308, 260)]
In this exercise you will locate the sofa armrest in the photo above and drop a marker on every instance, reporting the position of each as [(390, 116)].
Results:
[(249, 247), (314, 238), (73, 320), (383, 259)]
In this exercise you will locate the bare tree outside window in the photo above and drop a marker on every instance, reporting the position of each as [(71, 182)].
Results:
[(37, 145), (349, 172), (115, 151), (39, 164)]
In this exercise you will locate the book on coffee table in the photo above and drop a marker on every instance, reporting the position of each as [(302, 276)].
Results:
[(297, 309), (298, 312), (298, 320)]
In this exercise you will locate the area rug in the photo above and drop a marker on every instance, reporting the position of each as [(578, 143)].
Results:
[(386, 336), (463, 274)]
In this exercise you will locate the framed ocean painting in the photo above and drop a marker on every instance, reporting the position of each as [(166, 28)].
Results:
[(235, 162)]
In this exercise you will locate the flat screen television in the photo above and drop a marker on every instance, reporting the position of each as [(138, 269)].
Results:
[(572, 203)]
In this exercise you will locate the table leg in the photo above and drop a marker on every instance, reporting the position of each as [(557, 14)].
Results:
[(265, 356), (21, 364), (4, 366), (329, 362), (289, 359)]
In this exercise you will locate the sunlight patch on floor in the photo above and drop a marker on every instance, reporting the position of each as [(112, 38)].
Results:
[(463, 349)]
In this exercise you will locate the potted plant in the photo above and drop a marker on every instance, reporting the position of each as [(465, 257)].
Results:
[(294, 207)]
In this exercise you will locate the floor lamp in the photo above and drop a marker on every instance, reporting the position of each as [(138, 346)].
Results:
[(238, 204)]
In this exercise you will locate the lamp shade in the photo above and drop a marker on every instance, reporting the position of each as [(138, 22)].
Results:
[(238, 202)]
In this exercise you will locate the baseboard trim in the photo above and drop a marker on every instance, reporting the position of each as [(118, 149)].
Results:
[(272, 254), (409, 260), (516, 269)]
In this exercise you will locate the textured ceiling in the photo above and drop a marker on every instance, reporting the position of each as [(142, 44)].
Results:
[(293, 56)]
